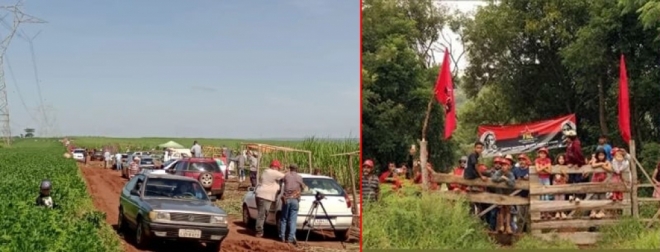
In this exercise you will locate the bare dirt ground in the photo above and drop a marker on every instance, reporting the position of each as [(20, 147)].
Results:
[(104, 185)]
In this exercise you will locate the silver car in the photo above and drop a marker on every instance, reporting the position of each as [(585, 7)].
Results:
[(169, 207)]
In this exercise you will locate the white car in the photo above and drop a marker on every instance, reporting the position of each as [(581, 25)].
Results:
[(336, 202), (78, 154)]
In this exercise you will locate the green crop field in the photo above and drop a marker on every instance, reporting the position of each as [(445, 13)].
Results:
[(74, 226)]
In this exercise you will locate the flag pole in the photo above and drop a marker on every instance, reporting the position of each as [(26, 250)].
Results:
[(423, 157)]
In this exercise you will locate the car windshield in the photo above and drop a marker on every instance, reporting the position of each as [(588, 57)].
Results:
[(78, 151), (326, 186), (146, 161), (204, 167), (174, 188), (169, 162)]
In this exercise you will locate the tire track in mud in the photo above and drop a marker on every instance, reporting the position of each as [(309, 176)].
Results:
[(104, 186)]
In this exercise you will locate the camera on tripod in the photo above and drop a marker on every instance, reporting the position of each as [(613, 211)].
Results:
[(319, 196)]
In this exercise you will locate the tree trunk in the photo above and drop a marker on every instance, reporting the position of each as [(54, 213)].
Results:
[(601, 107)]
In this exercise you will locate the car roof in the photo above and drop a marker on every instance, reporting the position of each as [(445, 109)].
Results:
[(169, 176), (146, 156), (198, 159), (79, 149), (307, 175)]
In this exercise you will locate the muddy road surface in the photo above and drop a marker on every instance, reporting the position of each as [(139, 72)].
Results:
[(104, 185)]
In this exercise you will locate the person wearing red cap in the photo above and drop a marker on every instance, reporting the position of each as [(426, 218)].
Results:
[(370, 188), (543, 166), (504, 175), (266, 192)]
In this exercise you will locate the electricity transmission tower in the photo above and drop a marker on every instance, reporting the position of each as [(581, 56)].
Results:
[(19, 17)]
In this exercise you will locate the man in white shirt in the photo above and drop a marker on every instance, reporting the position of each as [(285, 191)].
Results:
[(266, 193), (196, 149), (118, 161), (107, 158)]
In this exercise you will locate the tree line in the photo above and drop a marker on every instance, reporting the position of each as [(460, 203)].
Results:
[(527, 61)]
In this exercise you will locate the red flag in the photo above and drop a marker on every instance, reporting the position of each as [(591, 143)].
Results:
[(444, 93), (624, 104)]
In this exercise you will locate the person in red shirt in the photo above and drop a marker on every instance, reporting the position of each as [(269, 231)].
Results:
[(543, 166), (388, 175), (574, 160), (458, 171), (599, 161)]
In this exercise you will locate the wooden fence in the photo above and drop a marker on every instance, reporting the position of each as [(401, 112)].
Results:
[(577, 226)]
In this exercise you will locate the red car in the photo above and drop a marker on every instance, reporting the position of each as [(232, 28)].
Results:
[(205, 170)]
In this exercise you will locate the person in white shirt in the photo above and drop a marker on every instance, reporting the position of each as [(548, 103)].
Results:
[(107, 158), (118, 161), (196, 149), (266, 193)]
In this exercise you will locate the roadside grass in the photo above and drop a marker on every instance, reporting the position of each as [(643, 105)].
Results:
[(408, 219)]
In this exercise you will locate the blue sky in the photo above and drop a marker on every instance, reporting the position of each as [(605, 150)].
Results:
[(231, 69)]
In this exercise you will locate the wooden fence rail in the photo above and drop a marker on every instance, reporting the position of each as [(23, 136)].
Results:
[(534, 208)]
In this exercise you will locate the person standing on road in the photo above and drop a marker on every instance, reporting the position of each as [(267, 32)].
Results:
[(293, 187), (239, 160), (266, 193), (118, 161), (107, 158), (196, 149), (254, 167)]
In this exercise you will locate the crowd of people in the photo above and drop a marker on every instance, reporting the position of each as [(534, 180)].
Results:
[(613, 164)]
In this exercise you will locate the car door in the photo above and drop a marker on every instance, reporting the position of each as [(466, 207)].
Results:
[(251, 202), (180, 167), (134, 201), (125, 199), (276, 206)]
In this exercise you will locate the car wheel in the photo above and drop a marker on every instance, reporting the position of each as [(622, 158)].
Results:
[(341, 235), (121, 222), (142, 238), (206, 179), (249, 222), (213, 246)]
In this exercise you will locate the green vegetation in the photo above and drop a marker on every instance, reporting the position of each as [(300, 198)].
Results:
[(407, 219), (74, 226)]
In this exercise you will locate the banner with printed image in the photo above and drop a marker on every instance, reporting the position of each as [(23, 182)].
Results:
[(526, 137)]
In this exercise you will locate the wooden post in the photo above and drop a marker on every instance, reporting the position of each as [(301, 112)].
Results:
[(354, 189), (309, 157), (423, 157), (258, 162), (633, 170)]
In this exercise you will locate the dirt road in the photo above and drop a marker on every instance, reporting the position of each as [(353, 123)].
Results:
[(104, 185)]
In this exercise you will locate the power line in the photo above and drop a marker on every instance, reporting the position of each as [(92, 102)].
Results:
[(19, 17), (18, 90)]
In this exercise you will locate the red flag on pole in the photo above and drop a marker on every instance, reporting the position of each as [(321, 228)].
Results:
[(624, 104), (444, 93)]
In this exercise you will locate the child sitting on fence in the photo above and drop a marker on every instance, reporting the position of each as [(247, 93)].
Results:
[(504, 214), (620, 164), (599, 161), (560, 179), (543, 166)]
